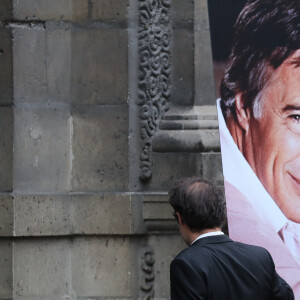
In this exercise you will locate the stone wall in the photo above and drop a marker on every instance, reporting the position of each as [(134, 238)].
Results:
[(77, 219)]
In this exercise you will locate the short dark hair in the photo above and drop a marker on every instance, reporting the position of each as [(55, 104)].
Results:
[(267, 32), (200, 203)]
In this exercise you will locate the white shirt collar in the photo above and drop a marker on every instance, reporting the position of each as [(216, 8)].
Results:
[(238, 172), (207, 234)]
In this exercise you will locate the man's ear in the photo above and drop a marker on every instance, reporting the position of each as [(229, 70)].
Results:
[(179, 218), (242, 113)]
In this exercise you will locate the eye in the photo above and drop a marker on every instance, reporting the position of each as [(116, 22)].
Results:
[(295, 117)]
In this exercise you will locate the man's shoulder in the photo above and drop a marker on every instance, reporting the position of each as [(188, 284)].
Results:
[(257, 251), (193, 252)]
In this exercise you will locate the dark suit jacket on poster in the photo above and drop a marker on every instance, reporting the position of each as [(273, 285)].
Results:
[(217, 268)]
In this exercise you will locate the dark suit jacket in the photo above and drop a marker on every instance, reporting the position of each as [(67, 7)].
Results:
[(217, 268)]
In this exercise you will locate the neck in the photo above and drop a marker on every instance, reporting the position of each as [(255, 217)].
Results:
[(194, 235)]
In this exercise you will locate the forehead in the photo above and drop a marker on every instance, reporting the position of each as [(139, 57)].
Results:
[(284, 84)]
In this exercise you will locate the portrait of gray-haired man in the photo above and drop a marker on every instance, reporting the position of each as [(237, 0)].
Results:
[(259, 121)]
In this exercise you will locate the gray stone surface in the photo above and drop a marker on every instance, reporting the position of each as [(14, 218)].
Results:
[(166, 247), (204, 78), (6, 215), (29, 67), (5, 10), (100, 148), (42, 215), (6, 148), (42, 149), (108, 10), (6, 274), (157, 213), (57, 215), (6, 62), (59, 65), (70, 10), (156, 206), (99, 71), (76, 228), (212, 167), (182, 11), (102, 266), (207, 165), (204, 140), (183, 67), (101, 214), (165, 174), (42, 269)]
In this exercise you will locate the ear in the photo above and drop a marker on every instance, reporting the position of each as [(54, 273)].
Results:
[(242, 113), (179, 218)]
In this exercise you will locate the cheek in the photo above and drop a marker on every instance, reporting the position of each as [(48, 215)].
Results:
[(290, 154)]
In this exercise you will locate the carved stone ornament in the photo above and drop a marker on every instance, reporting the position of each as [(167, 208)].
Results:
[(147, 274), (154, 73)]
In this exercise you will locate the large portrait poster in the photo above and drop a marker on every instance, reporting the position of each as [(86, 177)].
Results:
[(258, 78)]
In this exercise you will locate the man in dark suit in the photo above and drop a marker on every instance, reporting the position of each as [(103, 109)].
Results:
[(214, 266)]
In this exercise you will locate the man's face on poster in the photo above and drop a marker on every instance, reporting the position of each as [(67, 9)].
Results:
[(272, 140)]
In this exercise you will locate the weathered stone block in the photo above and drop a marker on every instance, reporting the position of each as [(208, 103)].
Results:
[(182, 11), (101, 214), (138, 225), (165, 174), (6, 267), (204, 87), (42, 149), (157, 213), (59, 65), (109, 10), (6, 215), (74, 10), (99, 71), (6, 148), (102, 267), (212, 167), (29, 55), (156, 206), (183, 67), (207, 165), (6, 74), (166, 247), (42, 215), (100, 148), (187, 140), (42, 269), (6, 10)]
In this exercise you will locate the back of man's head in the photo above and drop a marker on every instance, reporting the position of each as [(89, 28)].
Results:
[(200, 203)]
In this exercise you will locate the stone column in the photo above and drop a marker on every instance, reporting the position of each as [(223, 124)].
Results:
[(84, 87)]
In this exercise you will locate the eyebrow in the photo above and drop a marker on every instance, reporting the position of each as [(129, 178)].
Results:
[(291, 107)]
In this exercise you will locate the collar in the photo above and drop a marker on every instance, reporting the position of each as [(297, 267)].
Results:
[(213, 239), (213, 233), (238, 172)]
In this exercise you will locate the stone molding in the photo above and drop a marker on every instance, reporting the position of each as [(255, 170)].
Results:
[(154, 73), (147, 275), (85, 214), (188, 129)]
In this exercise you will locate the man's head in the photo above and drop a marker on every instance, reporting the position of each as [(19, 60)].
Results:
[(261, 97), (267, 32), (198, 204)]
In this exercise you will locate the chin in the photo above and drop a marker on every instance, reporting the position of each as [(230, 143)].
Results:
[(293, 216)]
